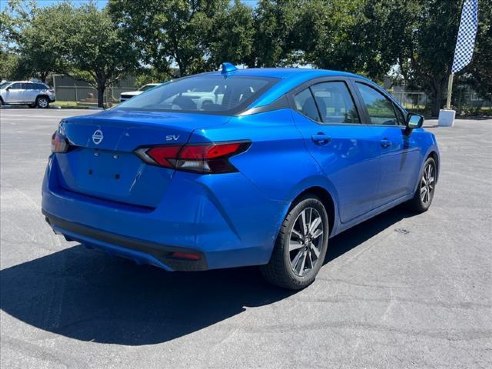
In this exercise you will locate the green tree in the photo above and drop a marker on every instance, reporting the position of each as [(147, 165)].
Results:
[(41, 44), (8, 65), (274, 41), (417, 36), (231, 35), (169, 31), (96, 49), (324, 31)]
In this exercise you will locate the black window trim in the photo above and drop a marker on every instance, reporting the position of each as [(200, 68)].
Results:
[(315, 81), (376, 87)]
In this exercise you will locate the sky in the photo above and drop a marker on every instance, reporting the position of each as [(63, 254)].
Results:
[(100, 3)]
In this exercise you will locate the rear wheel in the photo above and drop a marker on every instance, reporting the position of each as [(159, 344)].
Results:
[(427, 185), (301, 245), (42, 102)]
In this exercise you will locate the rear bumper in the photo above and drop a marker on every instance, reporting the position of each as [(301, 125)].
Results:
[(203, 216), (138, 250)]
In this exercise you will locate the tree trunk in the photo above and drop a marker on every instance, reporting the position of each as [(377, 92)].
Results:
[(436, 97), (101, 87)]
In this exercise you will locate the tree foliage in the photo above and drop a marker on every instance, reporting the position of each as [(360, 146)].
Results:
[(169, 31), (412, 39), (98, 48)]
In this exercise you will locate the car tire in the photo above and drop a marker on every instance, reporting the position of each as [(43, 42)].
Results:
[(424, 194), (300, 247), (42, 102)]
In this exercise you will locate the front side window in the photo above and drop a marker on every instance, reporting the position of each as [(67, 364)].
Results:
[(205, 93), (335, 103), (16, 86), (379, 107)]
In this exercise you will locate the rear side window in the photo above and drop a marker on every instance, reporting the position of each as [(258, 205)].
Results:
[(380, 109), (28, 86), (335, 103), (212, 93), (39, 86), (327, 102), (305, 104)]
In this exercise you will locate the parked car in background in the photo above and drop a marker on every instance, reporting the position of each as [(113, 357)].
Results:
[(34, 94), (277, 163), (129, 94)]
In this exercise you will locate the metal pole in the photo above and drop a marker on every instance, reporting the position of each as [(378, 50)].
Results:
[(450, 90)]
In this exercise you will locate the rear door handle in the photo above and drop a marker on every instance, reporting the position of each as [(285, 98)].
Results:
[(385, 143), (320, 138)]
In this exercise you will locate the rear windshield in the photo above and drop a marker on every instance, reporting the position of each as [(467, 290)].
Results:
[(206, 93)]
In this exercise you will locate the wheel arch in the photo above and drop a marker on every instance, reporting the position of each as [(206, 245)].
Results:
[(434, 155), (327, 200), (42, 95)]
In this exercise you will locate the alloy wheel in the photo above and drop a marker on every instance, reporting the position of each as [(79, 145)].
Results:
[(42, 102), (305, 241), (427, 183)]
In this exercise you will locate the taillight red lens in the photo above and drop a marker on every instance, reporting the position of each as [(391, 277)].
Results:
[(161, 154), (206, 152), (206, 158), (59, 144)]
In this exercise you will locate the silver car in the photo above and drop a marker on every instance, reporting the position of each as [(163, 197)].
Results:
[(34, 94)]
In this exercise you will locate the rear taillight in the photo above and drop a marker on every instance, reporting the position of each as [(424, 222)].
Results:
[(59, 143), (202, 158)]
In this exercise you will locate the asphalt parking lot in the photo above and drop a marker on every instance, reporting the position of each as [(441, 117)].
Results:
[(399, 291)]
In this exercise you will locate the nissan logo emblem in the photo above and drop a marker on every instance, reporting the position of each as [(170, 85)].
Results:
[(97, 137)]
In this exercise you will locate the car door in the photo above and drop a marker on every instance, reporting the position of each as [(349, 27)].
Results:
[(29, 92), (399, 158), (13, 93), (346, 150)]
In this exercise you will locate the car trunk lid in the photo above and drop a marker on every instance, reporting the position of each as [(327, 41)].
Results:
[(103, 163)]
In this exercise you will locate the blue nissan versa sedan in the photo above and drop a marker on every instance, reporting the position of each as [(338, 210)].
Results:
[(238, 167)]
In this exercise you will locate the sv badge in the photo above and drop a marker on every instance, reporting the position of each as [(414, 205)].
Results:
[(172, 137)]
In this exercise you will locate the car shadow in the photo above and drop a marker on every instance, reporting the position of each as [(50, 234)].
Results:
[(89, 296), (353, 237)]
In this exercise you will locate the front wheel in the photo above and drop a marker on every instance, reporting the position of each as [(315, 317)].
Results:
[(301, 245), (424, 194)]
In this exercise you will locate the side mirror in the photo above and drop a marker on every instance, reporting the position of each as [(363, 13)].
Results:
[(8, 88), (414, 121)]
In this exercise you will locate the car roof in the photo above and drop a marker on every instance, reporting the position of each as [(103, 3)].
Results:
[(285, 73), (289, 79)]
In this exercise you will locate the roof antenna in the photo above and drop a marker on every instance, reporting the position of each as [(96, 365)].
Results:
[(228, 68)]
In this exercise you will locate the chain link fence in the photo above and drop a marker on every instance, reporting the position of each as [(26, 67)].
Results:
[(88, 95)]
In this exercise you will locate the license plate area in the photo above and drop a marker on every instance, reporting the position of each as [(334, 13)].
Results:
[(105, 165)]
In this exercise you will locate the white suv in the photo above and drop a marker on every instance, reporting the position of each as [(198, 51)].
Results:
[(129, 94), (26, 93)]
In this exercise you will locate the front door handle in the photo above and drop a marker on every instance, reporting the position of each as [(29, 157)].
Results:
[(385, 143), (320, 138)]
